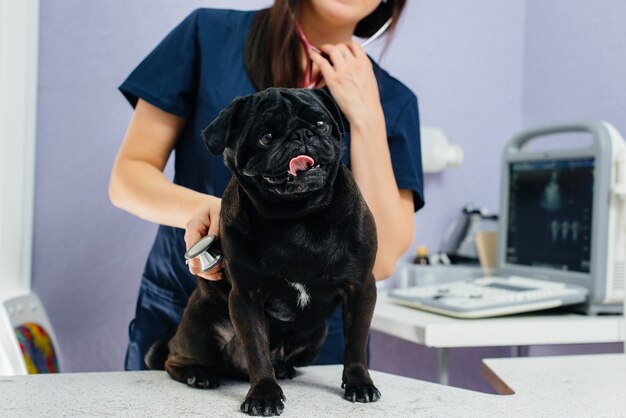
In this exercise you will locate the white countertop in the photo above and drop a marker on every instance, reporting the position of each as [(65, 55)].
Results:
[(556, 386), (573, 386), (433, 330)]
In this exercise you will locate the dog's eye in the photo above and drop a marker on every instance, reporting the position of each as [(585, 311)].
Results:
[(322, 126), (266, 139)]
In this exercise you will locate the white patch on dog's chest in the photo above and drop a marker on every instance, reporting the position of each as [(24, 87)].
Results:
[(303, 296)]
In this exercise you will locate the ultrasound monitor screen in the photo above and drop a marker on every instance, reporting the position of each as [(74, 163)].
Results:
[(549, 214)]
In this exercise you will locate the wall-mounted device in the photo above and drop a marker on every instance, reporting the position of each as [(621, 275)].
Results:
[(438, 153)]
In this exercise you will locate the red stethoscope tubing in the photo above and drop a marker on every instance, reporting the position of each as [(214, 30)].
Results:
[(309, 81)]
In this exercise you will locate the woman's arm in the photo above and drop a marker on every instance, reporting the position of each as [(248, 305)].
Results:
[(392, 207), (353, 85), (138, 185)]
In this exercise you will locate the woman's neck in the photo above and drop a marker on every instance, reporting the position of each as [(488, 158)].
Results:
[(320, 31)]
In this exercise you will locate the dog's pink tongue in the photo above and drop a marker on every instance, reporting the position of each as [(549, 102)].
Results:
[(300, 163)]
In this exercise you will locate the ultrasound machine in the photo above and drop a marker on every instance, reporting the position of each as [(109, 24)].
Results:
[(561, 235)]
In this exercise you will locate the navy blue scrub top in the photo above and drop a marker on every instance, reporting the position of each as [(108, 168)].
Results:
[(195, 72)]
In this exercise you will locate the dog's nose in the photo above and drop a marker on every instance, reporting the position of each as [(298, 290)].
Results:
[(302, 135)]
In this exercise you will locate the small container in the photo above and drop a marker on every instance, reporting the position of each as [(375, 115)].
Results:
[(421, 257)]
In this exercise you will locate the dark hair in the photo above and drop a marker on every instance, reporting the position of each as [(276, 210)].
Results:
[(271, 52)]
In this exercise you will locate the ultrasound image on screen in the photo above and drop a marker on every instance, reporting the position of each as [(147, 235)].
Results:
[(549, 219)]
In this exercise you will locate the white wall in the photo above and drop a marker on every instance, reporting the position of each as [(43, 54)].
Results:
[(19, 30)]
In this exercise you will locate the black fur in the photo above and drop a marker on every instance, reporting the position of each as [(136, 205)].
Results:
[(281, 234), (156, 355)]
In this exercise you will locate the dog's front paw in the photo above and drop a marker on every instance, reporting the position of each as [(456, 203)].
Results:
[(358, 384), (265, 398), (361, 393)]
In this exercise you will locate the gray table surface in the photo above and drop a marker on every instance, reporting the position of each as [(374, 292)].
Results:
[(316, 392)]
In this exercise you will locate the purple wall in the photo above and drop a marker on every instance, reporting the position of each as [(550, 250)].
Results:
[(575, 62), (463, 59), (478, 68)]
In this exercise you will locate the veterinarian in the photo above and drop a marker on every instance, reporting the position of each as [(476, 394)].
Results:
[(209, 59)]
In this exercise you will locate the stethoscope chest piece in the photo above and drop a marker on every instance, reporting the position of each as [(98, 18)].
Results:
[(202, 250)]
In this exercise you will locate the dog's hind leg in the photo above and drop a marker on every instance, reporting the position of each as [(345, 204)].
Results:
[(297, 351), (282, 369), (195, 357), (156, 356), (304, 350)]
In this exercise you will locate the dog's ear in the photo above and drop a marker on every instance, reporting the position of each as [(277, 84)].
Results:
[(217, 135), (333, 109)]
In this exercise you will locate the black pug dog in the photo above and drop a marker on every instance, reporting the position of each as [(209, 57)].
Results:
[(298, 240)]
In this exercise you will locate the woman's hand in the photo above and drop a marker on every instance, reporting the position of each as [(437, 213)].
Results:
[(205, 221), (350, 78)]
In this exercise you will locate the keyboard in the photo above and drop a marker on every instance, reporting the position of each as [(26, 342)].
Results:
[(489, 296)]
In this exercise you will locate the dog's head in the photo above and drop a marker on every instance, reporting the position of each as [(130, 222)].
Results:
[(280, 144)]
